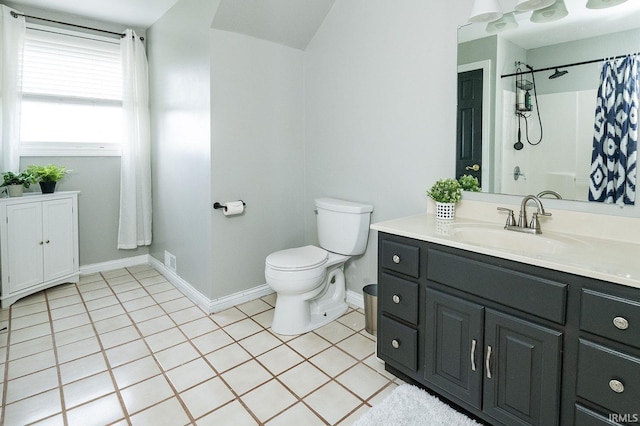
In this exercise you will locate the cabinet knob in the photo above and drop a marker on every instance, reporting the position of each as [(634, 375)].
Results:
[(396, 299), (616, 386), (621, 323), (396, 259), (395, 344), (41, 242), (47, 242)]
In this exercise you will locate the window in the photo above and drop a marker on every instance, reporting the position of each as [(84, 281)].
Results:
[(72, 94)]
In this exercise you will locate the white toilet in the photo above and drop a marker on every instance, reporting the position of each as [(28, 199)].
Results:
[(309, 280)]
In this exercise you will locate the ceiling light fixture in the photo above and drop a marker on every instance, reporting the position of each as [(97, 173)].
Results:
[(485, 11), (603, 4), (527, 5), (507, 22), (556, 11)]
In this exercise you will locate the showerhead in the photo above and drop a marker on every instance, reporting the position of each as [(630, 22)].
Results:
[(558, 74)]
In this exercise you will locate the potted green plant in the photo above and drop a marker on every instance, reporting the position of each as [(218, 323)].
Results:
[(47, 176), (15, 183), (469, 183), (446, 193)]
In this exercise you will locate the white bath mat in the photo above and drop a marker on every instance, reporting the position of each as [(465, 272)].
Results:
[(411, 406)]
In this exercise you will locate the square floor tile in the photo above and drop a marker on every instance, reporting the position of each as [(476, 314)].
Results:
[(303, 379), (176, 355), (165, 339), (333, 361), (260, 343), (206, 397), (228, 316), (190, 374), (228, 357), (333, 402), (246, 377), (82, 367), (299, 414), (363, 381), (155, 325), (102, 411), (198, 327), (254, 307), (87, 389), (280, 359), (30, 347), (354, 320), (334, 332), (241, 329), (358, 346), (269, 400), (231, 414), (118, 337), (78, 349), (308, 344), (31, 364), (145, 394), (136, 371), (127, 353), (31, 384), (170, 411), (212, 341), (32, 409), (187, 315)]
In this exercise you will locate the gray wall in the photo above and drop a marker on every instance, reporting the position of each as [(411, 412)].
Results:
[(180, 72), (380, 91)]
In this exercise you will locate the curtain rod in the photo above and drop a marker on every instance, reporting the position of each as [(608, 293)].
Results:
[(575, 64), (15, 15)]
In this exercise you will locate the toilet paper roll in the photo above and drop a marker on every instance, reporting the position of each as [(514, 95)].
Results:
[(233, 208)]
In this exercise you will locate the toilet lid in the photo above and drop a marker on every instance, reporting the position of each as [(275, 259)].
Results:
[(301, 258)]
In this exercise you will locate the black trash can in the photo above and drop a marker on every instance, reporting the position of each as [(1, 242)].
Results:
[(370, 293)]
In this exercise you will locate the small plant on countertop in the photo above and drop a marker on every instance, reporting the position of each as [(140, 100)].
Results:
[(446, 191), (24, 178), (469, 183), (48, 173)]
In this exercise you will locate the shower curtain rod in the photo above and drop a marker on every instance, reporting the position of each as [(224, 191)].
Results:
[(575, 64), (15, 15)]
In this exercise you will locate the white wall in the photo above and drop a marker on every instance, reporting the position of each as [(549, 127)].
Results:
[(257, 116), (380, 90)]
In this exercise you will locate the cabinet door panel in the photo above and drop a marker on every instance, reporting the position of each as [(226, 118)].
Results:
[(24, 245), (524, 387), (59, 238), (452, 361)]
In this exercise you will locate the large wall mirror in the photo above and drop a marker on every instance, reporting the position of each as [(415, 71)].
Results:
[(537, 128)]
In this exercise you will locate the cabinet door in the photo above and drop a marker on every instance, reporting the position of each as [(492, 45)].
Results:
[(522, 371), (57, 233), (24, 246), (453, 338)]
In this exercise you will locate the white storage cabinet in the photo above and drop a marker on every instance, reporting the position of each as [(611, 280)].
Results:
[(38, 243)]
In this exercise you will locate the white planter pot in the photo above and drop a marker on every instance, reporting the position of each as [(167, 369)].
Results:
[(15, 190), (445, 211)]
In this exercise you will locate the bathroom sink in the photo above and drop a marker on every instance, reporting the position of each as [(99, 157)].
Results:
[(495, 236)]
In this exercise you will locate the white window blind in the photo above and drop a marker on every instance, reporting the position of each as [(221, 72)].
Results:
[(72, 94)]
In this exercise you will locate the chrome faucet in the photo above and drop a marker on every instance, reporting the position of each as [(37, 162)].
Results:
[(523, 225), (550, 192)]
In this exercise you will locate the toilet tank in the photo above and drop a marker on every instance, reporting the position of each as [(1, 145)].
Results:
[(343, 226)]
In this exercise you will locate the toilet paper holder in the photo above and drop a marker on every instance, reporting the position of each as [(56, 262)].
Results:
[(218, 206)]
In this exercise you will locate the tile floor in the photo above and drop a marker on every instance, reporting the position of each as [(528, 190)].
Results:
[(126, 347)]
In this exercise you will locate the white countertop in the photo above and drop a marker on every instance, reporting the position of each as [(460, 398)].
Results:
[(603, 259)]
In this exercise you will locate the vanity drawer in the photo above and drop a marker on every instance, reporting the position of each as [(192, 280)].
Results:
[(527, 293), (610, 316), (402, 258), (399, 298), (608, 378), (399, 343), (586, 417)]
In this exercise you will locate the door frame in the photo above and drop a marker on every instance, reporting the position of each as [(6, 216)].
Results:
[(485, 66)]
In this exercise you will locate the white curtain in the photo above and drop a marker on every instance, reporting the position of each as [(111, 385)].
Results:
[(12, 32), (135, 175)]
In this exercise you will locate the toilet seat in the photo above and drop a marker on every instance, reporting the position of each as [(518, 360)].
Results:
[(297, 259)]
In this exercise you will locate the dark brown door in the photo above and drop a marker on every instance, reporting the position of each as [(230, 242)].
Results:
[(469, 137)]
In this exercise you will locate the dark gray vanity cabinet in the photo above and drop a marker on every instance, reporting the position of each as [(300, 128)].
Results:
[(498, 363)]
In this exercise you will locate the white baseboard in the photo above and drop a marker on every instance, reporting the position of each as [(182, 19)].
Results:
[(115, 264), (355, 299), (208, 305)]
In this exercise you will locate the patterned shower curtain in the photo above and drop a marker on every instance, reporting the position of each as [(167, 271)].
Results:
[(615, 140)]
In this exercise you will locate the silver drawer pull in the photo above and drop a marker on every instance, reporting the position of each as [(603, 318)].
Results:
[(616, 386), (473, 354), (488, 362), (396, 299), (395, 344), (621, 323), (396, 259)]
